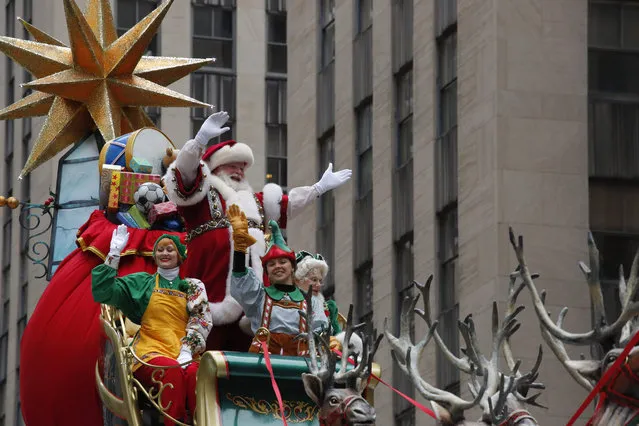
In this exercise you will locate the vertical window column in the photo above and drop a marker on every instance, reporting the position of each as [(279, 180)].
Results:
[(446, 188), (128, 13), (214, 36)]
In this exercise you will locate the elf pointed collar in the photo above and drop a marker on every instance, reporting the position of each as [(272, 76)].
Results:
[(277, 294)]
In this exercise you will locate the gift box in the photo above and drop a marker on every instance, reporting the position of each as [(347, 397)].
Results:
[(130, 182), (162, 211), (114, 192), (126, 219), (138, 217), (140, 165), (105, 183)]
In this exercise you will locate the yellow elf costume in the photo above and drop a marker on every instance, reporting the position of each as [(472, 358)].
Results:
[(174, 318)]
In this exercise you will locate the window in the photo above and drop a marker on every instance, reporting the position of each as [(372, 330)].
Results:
[(276, 55), (403, 164), (404, 412), (363, 304), (213, 31), (325, 237), (402, 27), (446, 19), (77, 196), (363, 52), (326, 77), (363, 215), (276, 131), (214, 89), (213, 36), (129, 13)]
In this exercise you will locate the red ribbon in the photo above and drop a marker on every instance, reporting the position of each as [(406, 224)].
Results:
[(406, 397), (276, 389), (608, 375)]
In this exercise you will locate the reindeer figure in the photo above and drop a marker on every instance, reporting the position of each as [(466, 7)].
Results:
[(501, 397), (339, 393), (620, 404)]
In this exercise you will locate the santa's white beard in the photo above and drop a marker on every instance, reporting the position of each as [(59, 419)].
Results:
[(319, 297), (242, 185)]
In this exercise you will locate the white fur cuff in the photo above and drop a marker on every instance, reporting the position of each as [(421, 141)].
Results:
[(226, 311), (272, 198)]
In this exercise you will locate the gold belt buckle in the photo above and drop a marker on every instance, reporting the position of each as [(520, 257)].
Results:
[(263, 335)]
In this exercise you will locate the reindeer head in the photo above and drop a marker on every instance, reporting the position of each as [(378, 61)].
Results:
[(610, 339), (500, 396), (339, 393)]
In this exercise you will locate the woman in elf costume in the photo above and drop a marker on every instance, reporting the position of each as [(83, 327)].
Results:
[(273, 309), (173, 314)]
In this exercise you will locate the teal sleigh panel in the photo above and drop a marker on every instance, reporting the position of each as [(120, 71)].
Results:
[(243, 394)]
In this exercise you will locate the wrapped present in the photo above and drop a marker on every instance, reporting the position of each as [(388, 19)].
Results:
[(140, 165), (138, 217), (173, 224), (105, 182), (162, 211), (126, 219), (114, 192), (130, 182)]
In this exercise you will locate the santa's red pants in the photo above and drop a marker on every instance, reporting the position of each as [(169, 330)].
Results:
[(181, 396)]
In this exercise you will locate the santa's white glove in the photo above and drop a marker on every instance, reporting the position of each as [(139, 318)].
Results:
[(331, 180), (119, 238), (212, 128), (185, 356)]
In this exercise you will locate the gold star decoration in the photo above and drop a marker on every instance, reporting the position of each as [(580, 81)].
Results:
[(100, 81)]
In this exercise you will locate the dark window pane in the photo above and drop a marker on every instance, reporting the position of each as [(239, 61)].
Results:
[(328, 45), (405, 142), (630, 36), (277, 57), (604, 26), (223, 23), (613, 71), (365, 173), (202, 21), (145, 7), (364, 14), (227, 101), (127, 16), (276, 167), (276, 28), (327, 9), (276, 143), (221, 50)]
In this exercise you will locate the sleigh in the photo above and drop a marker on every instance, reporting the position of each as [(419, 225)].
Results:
[(233, 388)]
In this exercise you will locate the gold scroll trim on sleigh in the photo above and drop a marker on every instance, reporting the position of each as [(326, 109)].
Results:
[(296, 411)]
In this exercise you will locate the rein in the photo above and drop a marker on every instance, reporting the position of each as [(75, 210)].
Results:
[(341, 411)]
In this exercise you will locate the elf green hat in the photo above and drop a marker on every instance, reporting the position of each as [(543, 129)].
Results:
[(181, 248), (277, 246)]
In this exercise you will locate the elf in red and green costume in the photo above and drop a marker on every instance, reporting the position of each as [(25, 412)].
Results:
[(173, 313), (274, 308)]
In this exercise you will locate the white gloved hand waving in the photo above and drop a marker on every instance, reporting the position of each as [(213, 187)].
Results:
[(331, 180), (118, 240), (212, 128), (185, 356)]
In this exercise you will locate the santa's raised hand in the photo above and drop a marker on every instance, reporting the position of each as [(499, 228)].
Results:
[(212, 128), (331, 180)]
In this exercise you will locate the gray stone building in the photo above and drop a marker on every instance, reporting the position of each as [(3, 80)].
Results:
[(460, 119)]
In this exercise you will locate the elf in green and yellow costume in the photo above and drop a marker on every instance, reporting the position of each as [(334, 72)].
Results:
[(173, 314)]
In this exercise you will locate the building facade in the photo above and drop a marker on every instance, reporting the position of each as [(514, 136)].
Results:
[(248, 79), (459, 119)]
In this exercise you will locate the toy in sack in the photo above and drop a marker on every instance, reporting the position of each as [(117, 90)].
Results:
[(130, 183), (162, 211), (147, 143)]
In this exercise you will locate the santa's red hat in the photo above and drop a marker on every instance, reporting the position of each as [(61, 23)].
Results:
[(228, 152)]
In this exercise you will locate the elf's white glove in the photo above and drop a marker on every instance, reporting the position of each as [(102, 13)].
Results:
[(119, 238), (331, 180), (185, 356), (212, 128)]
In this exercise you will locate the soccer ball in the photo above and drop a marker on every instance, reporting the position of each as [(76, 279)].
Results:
[(148, 194)]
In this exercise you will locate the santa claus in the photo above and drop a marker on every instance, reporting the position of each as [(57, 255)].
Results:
[(202, 183)]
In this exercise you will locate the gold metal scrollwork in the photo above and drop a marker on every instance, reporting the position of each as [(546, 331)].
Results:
[(296, 411)]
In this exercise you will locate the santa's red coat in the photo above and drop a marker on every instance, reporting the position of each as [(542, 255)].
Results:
[(61, 342)]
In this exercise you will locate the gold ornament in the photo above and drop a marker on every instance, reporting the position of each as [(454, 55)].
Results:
[(13, 202), (99, 81), (3, 201)]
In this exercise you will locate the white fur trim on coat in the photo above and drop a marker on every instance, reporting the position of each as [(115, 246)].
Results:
[(309, 263), (175, 195), (238, 153), (272, 199)]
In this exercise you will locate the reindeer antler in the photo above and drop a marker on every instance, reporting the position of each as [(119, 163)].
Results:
[(599, 332)]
